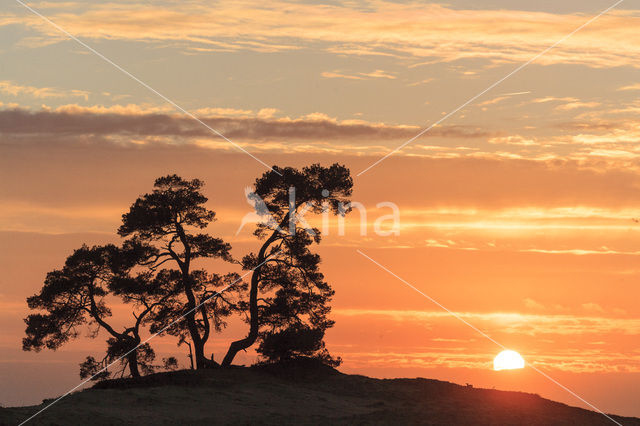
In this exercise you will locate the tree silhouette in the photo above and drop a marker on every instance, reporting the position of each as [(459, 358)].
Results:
[(207, 289), (291, 321), (154, 271), (167, 221), (294, 319), (75, 295)]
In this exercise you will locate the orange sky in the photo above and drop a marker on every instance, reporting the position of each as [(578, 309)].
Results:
[(517, 213)]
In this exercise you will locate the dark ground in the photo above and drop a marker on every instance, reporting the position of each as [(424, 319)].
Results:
[(298, 395)]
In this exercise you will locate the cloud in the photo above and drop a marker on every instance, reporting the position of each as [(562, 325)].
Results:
[(225, 112), (266, 113), (501, 98), (384, 28), (589, 126), (437, 243), (512, 322), (532, 304), (583, 361), (578, 104), (592, 307), (423, 81), (435, 358), (132, 121), (14, 89), (512, 140), (359, 76), (553, 99), (582, 252), (635, 86)]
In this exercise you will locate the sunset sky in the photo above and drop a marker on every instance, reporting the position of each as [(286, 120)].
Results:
[(518, 213)]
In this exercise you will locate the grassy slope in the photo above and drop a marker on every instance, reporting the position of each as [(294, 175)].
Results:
[(298, 395)]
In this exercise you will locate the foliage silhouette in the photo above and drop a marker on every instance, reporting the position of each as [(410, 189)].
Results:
[(75, 295), (166, 222), (291, 318), (154, 272)]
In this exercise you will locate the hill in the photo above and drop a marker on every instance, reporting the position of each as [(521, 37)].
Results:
[(296, 394)]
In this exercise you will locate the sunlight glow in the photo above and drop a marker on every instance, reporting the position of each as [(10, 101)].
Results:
[(508, 360)]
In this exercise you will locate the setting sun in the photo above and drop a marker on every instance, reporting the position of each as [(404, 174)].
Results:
[(508, 360)]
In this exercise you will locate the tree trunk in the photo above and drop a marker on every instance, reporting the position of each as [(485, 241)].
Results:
[(242, 344), (191, 356), (198, 343), (201, 360), (132, 358), (198, 350)]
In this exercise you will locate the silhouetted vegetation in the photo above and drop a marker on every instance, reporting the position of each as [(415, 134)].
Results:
[(292, 319), (167, 222), (74, 296), (155, 272)]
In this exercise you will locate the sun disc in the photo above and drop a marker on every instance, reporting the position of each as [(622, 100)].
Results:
[(508, 360)]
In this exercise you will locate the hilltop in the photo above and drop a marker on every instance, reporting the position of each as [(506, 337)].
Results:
[(299, 394)]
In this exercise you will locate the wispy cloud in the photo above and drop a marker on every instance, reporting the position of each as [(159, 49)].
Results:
[(553, 99), (532, 304), (502, 97), (514, 322), (14, 89), (360, 75), (423, 81), (512, 140), (630, 87), (578, 104), (385, 28)]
